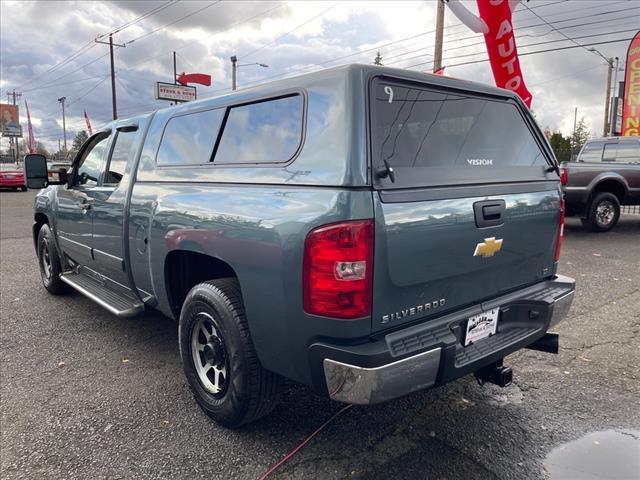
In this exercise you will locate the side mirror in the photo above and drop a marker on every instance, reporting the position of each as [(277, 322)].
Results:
[(35, 170)]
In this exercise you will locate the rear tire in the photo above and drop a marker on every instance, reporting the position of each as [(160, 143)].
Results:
[(219, 359), (23, 188), (49, 262), (603, 213)]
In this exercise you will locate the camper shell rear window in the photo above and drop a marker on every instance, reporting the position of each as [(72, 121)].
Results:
[(432, 136)]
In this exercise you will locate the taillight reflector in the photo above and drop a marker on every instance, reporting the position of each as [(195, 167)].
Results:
[(560, 238), (338, 270), (564, 176)]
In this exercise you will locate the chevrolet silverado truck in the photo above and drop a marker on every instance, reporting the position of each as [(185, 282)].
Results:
[(368, 231), (605, 176)]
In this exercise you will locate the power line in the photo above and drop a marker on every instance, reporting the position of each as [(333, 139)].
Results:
[(88, 91), (46, 86), (532, 53), (289, 32), (173, 23), (523, 46), (213, 35), (554, 28), (151, 12), (573, 74)]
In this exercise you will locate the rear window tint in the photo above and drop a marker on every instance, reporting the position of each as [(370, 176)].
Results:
[(189, 139), (449, 135), (591, 152), (263, 132), (628, 151)]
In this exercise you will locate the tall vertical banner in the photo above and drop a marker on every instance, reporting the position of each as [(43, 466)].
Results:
[(631, 98), (86, 119), (495, 22), (32, 141)]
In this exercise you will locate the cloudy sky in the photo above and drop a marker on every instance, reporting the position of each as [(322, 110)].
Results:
[(47, 50)]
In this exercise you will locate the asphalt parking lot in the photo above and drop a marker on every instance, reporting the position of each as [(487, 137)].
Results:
[(87, 395)]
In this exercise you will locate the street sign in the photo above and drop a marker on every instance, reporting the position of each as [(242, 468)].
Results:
[(175, 93)]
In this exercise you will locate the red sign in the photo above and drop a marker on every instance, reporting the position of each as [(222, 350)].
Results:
[(501, 47), (631, 99), (200, 78)]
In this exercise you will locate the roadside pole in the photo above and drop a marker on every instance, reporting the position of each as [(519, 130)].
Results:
[(64, 124), (575, 121), (607, 97), (113, 72), (234, 69), (437, 56)]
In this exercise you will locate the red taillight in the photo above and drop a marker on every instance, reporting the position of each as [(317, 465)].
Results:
[(338, 270), (564, 176), (560, 238)]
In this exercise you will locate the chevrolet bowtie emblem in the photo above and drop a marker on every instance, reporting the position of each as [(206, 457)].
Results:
[(488, 248)]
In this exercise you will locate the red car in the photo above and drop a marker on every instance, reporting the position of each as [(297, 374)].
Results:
[(11, 176)]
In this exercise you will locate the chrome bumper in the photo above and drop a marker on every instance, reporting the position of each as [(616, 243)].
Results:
[(561, 308), (353, 384), (361, 385)]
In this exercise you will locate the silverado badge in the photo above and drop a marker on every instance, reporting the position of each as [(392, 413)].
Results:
[(488, 248)]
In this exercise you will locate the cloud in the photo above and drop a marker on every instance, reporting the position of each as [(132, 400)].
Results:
[(291, 37)]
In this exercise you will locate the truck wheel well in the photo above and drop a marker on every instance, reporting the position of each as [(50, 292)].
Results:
[(184, 269), (611, 186), (40, 219)]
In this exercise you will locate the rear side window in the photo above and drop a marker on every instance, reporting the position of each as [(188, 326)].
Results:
[(122, 151), (628, 151), (591, 152), (264, 132), (189, 139), (431, 136)]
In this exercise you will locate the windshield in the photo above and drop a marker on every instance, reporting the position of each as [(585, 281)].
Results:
[(430, 136), (9, 166)]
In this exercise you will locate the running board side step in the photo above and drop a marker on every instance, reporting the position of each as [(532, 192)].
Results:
[(120, 304)]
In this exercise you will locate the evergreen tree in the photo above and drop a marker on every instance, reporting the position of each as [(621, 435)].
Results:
[(378, 59)]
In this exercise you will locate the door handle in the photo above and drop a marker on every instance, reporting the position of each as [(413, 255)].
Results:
[(489, 213), (492, 212)]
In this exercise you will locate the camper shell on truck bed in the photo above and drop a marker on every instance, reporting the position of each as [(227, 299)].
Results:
[(369, 231)]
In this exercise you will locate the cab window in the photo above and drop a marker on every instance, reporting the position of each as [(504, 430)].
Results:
[(122, 151), (591, 152), (91, 161)]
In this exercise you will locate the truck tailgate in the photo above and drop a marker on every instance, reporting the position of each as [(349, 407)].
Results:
[(431, 257)]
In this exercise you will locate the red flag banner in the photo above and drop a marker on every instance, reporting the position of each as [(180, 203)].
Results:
[(32, 141), (496, 25), (631, 99), (501, 47), (86, 119)]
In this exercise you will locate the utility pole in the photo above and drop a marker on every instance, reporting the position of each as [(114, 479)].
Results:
[(13, 143), (614, 105), (175, 70), (234, 71), (437, 57), (606, 99), (113, 72), (64, 124), (575, 121)]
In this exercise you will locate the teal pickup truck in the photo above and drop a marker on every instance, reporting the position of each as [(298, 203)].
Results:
[(368, 231)]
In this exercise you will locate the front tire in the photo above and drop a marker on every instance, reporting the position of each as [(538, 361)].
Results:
[(219, 359), (603, 213), (49, 262)]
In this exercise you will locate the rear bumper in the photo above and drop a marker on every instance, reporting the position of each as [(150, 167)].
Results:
[(433, 353), (12, 182)]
